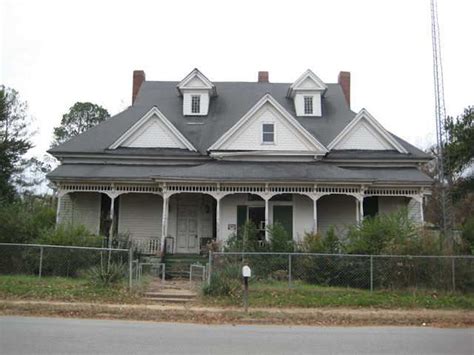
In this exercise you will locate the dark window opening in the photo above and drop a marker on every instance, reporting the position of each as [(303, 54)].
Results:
[(195, 104), (268, 133), (371, 206), (308, 105)]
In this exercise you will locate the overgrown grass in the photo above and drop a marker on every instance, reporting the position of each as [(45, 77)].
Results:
[(63, 289), (277, 294)]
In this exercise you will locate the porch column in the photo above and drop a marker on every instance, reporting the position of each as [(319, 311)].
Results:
[(359, 208), (218, 217), (422, 215), (164, 222), (267, 211), (315, 214), (58, 207), (112, 214)]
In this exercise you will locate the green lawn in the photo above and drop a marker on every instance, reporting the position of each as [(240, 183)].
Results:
[(277, 294), (62, 289)]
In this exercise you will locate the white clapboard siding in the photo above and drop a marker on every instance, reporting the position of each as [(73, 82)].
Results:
[(140, 215), (81, 208), (414, 211), (362, 137), (65, 210), (336, 210), (249, 137), (153, 134)]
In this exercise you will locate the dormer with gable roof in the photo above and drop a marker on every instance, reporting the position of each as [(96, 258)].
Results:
[(307, 92), (196, 91)]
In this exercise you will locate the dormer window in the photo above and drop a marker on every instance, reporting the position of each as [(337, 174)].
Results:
[(307, 93), (196, 91), (268, 133), (308, 105), (195, 104)]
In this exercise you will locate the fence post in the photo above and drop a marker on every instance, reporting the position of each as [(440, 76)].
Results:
[(289, 270), (371, 273), (40, 263), (130, 267), (453, 273), (210, 268)]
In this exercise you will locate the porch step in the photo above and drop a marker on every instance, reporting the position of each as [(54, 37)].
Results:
[(170, 292), (177, 265)]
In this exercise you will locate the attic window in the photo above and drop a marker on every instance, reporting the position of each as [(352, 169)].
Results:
[(195, 104), (268, 133), (308, 105)]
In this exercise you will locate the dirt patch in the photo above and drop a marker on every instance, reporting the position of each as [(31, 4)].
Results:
[(213, 315)]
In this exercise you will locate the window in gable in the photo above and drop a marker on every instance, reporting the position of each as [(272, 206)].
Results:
[(308, 105), (268, 133), (195, 104)]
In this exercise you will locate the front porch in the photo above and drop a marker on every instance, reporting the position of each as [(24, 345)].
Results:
[(185, 216)]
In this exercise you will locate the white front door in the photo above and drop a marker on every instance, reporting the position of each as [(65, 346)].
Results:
[(188, 238)]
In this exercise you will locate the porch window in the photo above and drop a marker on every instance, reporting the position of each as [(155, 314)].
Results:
[(268, 133)]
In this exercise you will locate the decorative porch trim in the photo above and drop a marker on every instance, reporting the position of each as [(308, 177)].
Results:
[(111, 190), (264, 190)]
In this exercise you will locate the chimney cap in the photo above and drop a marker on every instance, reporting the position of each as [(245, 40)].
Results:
[(263, 77)]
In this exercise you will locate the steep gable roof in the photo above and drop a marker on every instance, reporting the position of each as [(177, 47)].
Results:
[(153, 130), (234, 100), (194, 80), (300, 134), (307, 81), (364, 132)]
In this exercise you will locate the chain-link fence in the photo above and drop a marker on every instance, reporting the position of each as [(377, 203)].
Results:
[(372, 272), (65, 261)]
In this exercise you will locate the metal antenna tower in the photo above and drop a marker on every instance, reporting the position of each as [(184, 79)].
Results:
[(440, 112)]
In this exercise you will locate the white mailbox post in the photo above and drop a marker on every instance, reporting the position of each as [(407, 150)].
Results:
[(246, 274)]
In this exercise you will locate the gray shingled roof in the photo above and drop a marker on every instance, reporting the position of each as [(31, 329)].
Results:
[(233, 101), (242, 171)]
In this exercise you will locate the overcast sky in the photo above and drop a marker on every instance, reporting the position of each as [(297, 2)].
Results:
[(58, 52)]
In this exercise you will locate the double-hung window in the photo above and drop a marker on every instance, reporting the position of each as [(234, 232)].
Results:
[(195, 104), (268, 133), (308, 105)]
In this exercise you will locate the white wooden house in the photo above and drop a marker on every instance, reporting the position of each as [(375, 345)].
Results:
[(193, 160)]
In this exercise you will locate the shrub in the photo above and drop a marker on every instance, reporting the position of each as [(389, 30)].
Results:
[(22, 221), (69, 235), (377, 235), (107, 274), (467, 235), (280, 240), (315, 243), (246, 239), (68, 262), (225, 282)]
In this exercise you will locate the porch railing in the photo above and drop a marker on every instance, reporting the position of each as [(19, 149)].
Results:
[(147, 245)]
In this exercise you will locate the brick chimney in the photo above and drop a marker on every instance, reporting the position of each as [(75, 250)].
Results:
[(344, 79), (263, 77), (138, 79)]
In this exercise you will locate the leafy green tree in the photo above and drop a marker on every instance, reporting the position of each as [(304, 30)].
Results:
[(14, 140), (81, 117), (460, 145)]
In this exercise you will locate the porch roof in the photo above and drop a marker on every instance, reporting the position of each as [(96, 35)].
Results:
[(225, 171)]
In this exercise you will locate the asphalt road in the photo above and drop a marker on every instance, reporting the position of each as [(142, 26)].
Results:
[(20, 335)]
